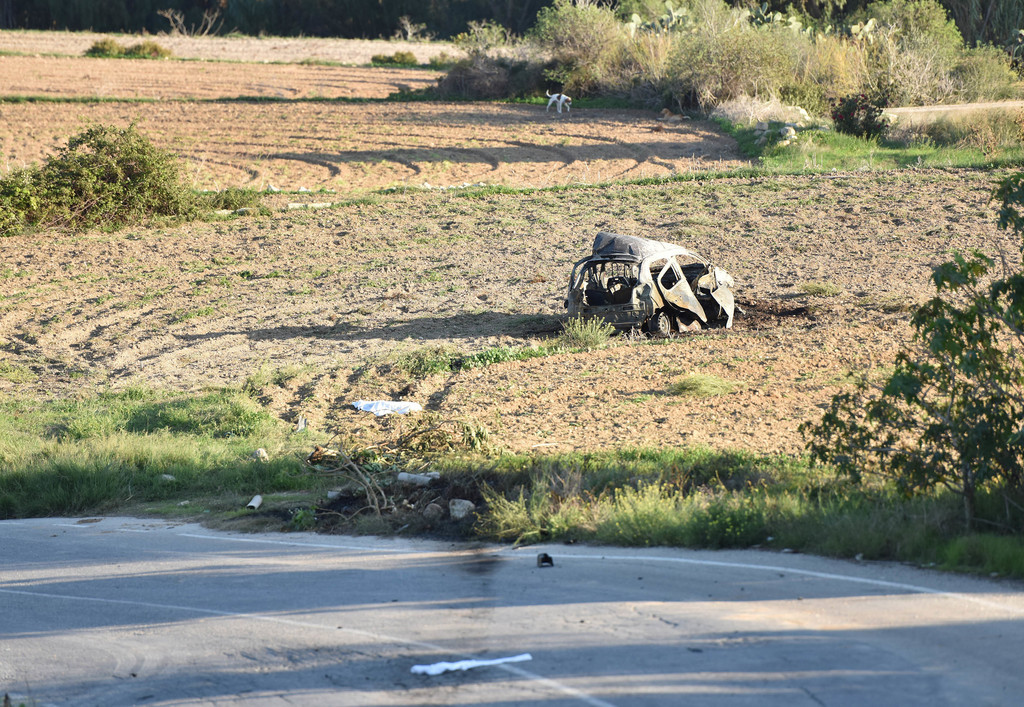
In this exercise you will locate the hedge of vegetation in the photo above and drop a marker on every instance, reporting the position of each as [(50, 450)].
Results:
[(704, 52)]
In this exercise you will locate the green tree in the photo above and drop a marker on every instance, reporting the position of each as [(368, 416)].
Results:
[(952, 413)]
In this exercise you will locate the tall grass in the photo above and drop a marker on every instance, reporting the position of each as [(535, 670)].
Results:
[(90, 455), (706, 499), (138, 447)]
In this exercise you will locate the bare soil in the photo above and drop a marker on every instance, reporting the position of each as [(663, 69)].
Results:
[(77, 77), (319, 303), (349, 148), (291, 50), (322, 302)]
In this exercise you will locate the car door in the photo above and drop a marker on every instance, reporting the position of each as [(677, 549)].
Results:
[(674, 289)]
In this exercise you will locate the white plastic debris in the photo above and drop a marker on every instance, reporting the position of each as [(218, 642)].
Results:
[(255, 502), (438, 668), (386, 407), (312, 205), (418, 479)]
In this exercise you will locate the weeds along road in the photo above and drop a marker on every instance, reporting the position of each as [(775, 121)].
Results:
[(122, 611)]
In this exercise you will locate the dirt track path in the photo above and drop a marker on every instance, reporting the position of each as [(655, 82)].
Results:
[(917, 114)]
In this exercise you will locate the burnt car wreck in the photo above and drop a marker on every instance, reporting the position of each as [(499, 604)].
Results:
[(660, 288)]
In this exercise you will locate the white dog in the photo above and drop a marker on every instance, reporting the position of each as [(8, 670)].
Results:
[(559, 100)]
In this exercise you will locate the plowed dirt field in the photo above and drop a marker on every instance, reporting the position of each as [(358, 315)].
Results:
[(324, 299), (85, 78)]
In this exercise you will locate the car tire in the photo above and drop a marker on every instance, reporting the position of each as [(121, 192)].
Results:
[(660, 325)]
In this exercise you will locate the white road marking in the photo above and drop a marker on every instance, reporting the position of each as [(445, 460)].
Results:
[(916, 588), (881, 583)]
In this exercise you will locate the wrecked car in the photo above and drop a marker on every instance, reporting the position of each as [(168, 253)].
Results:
[(660, 288)]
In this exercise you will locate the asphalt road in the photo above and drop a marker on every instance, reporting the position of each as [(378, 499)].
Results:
[(120, 611)]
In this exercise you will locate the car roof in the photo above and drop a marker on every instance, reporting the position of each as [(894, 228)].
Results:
[(617, 247)]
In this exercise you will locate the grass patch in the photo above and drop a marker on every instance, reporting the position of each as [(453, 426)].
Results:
[(231, 199), (814, 150), (400, 58), (503, 354), (428, 361), (700, 385), (985, 554), (183, 315), (578, 335), (16, 374), (820, 289), (138, 445), (585, 334)]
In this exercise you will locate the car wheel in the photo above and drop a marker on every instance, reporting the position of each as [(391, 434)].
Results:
[(659, 326)]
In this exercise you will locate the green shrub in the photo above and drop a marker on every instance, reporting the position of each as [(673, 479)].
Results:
[(860, 116), (107, 47), (580, 333), (921, 25), (501, 354), (104, 176), (952, 413), (984, 74), (111, 48), (147, 50), (442, 61), (728, 59), (481, 38), (485, 77), (18, 201), (584, 40), (402, 58)]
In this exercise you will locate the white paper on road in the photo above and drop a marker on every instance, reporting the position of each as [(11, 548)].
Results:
[(438, 668), (386, 407)]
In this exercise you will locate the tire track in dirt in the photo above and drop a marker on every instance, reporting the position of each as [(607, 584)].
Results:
[(332, 169), (87, 77), (359, 147)]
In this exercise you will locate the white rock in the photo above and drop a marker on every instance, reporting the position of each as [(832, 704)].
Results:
[(459, 508)]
